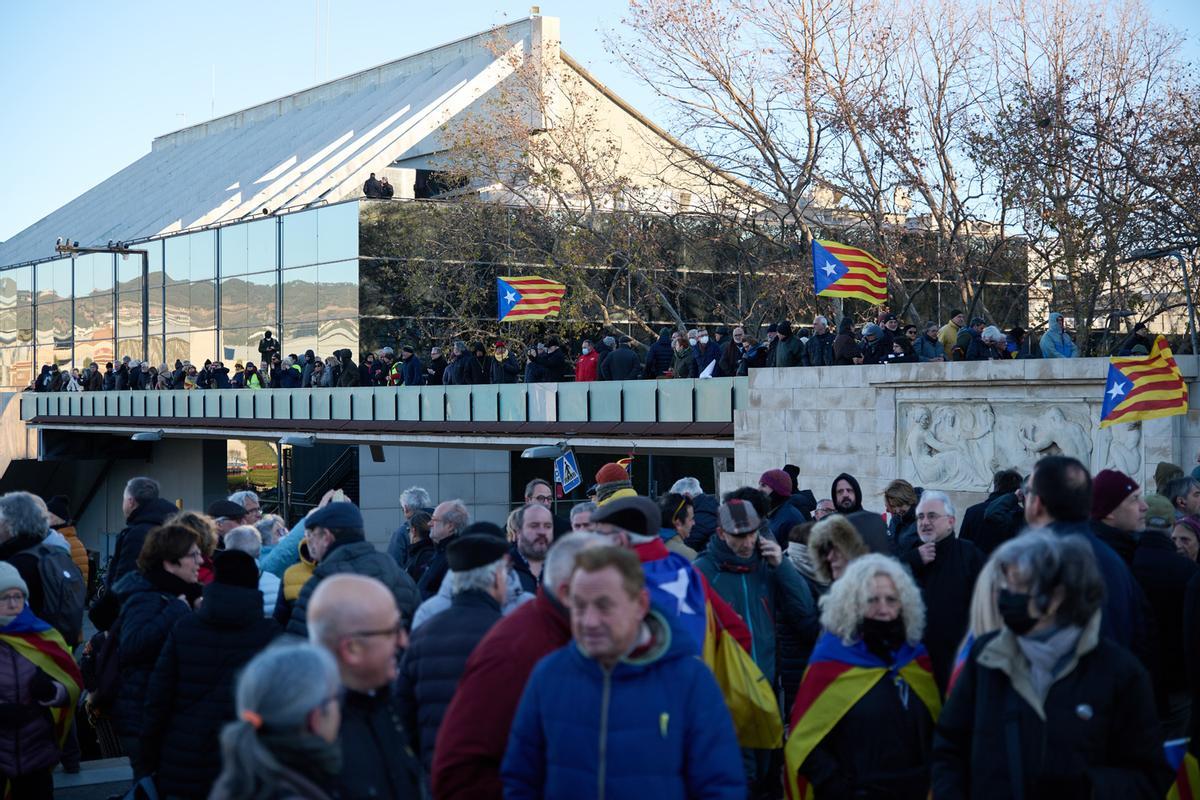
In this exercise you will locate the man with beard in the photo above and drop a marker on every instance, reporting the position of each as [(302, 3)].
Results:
[(535, 532), (847, 494)]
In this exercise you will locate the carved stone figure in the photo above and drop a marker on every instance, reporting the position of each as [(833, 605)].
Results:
[(947, 447), (1053, 434), (1121, 448)]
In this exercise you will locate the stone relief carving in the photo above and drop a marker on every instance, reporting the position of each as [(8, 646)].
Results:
[(958, 446)]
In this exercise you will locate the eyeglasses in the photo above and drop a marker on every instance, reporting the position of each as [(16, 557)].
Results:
[(393, 631), (194, 555), (542, 498), (931, 517), (12, 598)]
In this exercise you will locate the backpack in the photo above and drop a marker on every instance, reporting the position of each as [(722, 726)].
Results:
[(101, 669), (63, 591)]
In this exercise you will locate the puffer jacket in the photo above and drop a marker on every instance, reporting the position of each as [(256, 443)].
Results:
[(294, 578), (759, 592), (27, 741), (435, 660), (147, 615), (658, 357), (655, 725), (358, 557), (130, 540), (190, 695), (78, 551), (1055, 342)]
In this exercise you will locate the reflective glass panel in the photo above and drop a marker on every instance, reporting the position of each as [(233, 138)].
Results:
[(260, 244), (203, 304), (337, 334), (154, 263), (337, 232), (233, 250), (132, 348), (296, 337), (54, 280), (338, 293), (300, 297), (17, 371), (24, 314), (154, 309), (157, 353), (54, 322), (203, 345), (87, 352), (8, 290), (178, 258), (260, 300), (233, 301), (300, 239), (239, 344), (129, 314), (94, 316), (24, 279), (60, 355), (8, 327), (93, 273), (178, 307), (204, 255), (129, 267), (179, 348)]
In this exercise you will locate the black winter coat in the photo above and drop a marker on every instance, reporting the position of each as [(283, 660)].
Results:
[(190, 696), (506, 371), (551, 365), (150, 607), (1003, 520), (1099, 739), (622, 364), (26, 565), (435, 660), (529, 583), (879, 749), (946, 584), (658, 358), (818, 350), (435, 570), (130, 540), (377, 760), (705, 509), (358, 557), (1164, 576), (420, 555), (972, 519)]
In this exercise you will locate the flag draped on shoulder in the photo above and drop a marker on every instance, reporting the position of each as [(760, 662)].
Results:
[(37, 642), (530, 297), (1187, 771), (1144, 387), (840, 270), (838, 676)]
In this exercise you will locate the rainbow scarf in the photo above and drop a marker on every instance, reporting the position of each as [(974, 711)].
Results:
[(960, 660), (37, 642), (838, 676), (1187, 771)]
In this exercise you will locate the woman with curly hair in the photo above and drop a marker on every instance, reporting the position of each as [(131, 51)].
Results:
[(862, 724)]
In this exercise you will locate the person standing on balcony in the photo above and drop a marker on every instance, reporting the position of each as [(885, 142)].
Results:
[(1055, 341)]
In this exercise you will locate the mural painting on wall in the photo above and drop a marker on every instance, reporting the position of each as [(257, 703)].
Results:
[(958, 446)]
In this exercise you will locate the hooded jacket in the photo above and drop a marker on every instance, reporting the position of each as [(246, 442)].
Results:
[(1055, 342), (659, 356), (144, 518), (190, 695), (759, 592), (845, 476), (845, 536), (654, 725)]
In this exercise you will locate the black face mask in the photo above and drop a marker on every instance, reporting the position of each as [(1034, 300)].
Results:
[(1014, 609), (883, 637)]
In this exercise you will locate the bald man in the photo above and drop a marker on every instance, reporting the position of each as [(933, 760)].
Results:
[(355, 618)]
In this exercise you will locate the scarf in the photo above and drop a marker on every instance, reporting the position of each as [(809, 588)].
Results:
[(173, 585), (306, 753), (1047, 652)]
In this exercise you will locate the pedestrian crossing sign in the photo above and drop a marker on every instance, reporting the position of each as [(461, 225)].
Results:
[(566, 472)]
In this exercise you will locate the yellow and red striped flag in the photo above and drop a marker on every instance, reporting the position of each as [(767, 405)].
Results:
[(528, 298), (1144, 387), (840, 270)]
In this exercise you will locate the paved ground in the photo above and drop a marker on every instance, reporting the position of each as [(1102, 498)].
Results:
[(97, 780)]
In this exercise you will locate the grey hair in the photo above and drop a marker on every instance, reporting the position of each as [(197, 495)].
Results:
[(415, 497), (266, 527), (283, 685), (241, 497), (457, 515), (843, 609), (142, 490), (688, 486), (22, 513), (930, 496), (481, 578), (245, 538), (993, 334), (821, 319), (1048, 562), (560, 560), (583, 508)]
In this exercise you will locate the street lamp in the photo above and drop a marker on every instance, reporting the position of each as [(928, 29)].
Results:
[(1165, 252), (545, 451)]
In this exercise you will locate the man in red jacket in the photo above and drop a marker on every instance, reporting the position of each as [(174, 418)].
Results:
[(474, 734), (587, 366)]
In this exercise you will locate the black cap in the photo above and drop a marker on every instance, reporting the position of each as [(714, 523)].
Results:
[(235, 568), (784, 328), (227, 509), (955, 313), (470, 551), (889, 317), (638, 515), (773, 328), (488, 528)]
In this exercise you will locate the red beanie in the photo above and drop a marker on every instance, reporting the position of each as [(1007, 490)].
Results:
[(611, 473), (779, 482), (1109, 489)]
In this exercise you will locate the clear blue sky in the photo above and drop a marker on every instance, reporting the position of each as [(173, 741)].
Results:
[(86, 85)]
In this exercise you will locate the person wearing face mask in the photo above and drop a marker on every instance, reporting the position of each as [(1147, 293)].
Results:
[(587, 366), (945, 568), (1046, 707), (683, 364), (863, 721), (706, 352), (504, 367)]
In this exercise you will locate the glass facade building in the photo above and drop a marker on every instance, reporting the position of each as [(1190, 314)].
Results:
[(207, 294)]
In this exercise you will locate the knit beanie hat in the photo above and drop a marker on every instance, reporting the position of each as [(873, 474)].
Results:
[(871, 329), (11, 579), (1160, 514), (1109, 489), (235, 568), (778, 481), (611, 479), (1166, 472)]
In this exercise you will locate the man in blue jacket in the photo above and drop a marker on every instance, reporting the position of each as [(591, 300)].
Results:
[(624, 710)]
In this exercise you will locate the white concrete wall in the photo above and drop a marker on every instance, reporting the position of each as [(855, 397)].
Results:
[(983, 417), (480, 478)]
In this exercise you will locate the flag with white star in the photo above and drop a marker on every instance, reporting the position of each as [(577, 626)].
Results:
[(528, 298), (840, 270), (1144, 387)]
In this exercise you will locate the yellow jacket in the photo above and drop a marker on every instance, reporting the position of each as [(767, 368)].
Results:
[(295, 576), (948, 337)]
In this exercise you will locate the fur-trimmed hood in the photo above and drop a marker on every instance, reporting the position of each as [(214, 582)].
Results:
[(840, 532)]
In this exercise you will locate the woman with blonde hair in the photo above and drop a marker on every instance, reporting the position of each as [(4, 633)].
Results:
[(862, 724), (900, 499)]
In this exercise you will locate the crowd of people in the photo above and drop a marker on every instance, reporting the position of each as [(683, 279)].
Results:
[(1043, 643), (674, 354)]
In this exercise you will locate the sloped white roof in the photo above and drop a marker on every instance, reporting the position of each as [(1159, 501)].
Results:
[(321, 143)]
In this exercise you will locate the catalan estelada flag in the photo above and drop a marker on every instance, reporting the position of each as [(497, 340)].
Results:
[(528, 298), (1144, 387), (37, 642), (843, 271), (1187, 771), (838, 676)]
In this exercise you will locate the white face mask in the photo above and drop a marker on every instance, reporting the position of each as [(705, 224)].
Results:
[(703, 340), (586, 350), (692, 342)]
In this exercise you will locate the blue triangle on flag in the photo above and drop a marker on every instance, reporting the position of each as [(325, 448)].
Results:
[(827, 270), (1115, 389), (506, 299)]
